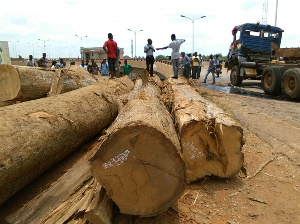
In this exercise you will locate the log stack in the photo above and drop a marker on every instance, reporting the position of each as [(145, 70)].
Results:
[(23, 83), (141, 164)]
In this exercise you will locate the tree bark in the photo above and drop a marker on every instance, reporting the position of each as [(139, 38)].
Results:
[(139, 161), (37, 134), (23, 83), (66, 194), (211, 141)]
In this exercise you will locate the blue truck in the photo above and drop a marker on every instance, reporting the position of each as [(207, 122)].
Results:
[(255, 53)]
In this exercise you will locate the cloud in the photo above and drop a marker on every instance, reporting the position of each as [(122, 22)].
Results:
[(59, 21)]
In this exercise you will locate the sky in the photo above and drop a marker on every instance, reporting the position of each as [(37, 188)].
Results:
[(34, 27)]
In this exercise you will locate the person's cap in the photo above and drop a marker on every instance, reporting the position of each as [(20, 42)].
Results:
[(104, 58)]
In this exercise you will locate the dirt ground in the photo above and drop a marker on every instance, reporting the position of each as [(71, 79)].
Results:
[(268, 189)]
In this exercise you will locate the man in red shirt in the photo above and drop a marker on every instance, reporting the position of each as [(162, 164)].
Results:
[(110, 47)]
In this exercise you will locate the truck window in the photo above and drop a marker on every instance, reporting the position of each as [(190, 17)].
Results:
[(252, 33)]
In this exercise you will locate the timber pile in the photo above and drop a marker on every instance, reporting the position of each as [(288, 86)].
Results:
[(139, 167), (211, 141), (23, 83), (40, 133)]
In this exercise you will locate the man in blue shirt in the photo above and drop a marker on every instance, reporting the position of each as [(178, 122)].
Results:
[(104, 68), (60, 64)]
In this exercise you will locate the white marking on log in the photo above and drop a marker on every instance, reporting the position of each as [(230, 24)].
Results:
[(117, 160), (193, 151)]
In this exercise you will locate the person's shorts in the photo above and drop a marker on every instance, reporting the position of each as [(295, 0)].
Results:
[(111, 64)]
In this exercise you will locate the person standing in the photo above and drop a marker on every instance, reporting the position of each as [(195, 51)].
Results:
[(211, 69), (30, 61), (175, 45), (104, 68), (94, 67), (186, 62), (82, 65), (110, 47), (217, 66), (201, 65), (43, 61), (149, 49), (195, 66), (118, 62), (127, 68)]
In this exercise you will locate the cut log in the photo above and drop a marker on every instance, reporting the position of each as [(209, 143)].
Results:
[(66, 194), (23, 83), (211, 141), (139, 162), (37, 134)]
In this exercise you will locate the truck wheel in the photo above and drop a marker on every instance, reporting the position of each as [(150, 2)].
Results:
[(291, 83), (271, 80), (235, 77)]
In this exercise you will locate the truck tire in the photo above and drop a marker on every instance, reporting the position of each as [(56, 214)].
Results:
[(291, 83), (271, 80), (235, 77)]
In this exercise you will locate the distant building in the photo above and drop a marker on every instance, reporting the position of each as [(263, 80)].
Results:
[(96, 53)]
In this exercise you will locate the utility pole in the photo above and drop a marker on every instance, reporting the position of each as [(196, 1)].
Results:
[(265, 13), (276, 13)]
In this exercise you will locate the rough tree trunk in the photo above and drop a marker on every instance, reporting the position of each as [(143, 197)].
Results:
[(72, 197), (37, 134), (139, 163), (211, 141), (23, 83)]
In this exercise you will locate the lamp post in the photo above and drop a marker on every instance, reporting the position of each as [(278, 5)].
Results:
[(14, 47), (44, 43), (193, 20), (32, 48), (70, 54), (61, 50), (135, 31), (80, 43)]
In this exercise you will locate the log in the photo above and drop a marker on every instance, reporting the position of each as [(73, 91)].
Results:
[(37, 134), (23, 83), (139, 161), (211, 141), (69, 195)]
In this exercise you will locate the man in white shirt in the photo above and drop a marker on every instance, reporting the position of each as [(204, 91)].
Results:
[(30, 61), (149, 49), (175, 45)]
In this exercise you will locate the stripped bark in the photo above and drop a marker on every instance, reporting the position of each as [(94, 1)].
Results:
[(211, 141), (74, 197), (37, 134)]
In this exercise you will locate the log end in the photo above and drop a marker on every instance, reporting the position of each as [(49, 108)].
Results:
[(211, 150), (10, 83), (141, 170)]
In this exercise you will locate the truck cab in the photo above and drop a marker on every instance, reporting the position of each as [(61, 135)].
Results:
[(250, 50)]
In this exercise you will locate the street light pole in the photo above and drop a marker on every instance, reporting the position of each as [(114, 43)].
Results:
[(44, 43), (134, 31), (32, 48), (61, 50), (276, 13), (193, 20), (80, 43), (14, 48)]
